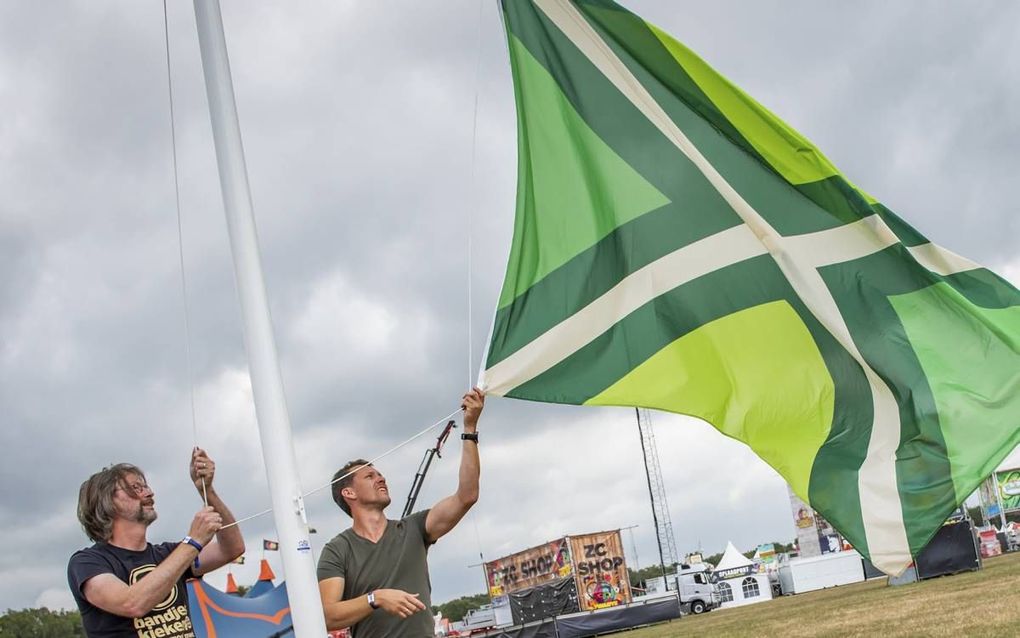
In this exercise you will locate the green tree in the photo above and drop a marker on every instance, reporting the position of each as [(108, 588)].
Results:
[(781, 548), (40, 623), (638, 577), (457, 608)]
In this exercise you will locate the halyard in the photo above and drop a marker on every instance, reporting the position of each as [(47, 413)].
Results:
[(982, 603)]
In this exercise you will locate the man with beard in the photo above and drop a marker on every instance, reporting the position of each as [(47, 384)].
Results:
[(128, 587), (373, 577)]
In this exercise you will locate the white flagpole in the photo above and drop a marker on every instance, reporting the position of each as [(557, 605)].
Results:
[(267, 384)]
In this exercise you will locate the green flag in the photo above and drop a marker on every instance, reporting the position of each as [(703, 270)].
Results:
[(679, 247)]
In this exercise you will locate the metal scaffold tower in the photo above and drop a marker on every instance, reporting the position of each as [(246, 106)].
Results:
[(657, 492)]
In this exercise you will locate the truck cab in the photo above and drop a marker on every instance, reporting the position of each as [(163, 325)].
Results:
[(697, 592)]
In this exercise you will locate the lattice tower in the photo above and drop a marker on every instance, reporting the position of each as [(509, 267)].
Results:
[(657, 491)]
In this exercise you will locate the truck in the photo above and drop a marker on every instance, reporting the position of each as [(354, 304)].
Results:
[(694, 587), (495, 614)]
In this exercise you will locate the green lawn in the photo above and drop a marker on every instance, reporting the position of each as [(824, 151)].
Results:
[(982, 603)]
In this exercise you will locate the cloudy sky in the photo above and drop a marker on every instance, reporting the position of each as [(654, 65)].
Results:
[(357, 123)]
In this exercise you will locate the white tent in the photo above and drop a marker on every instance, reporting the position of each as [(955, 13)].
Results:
[(732, 559), (738, 584)]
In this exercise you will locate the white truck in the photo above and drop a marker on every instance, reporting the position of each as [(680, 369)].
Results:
[(693, 585), (495, 614)]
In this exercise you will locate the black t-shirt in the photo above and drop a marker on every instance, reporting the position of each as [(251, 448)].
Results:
[(168, 619)]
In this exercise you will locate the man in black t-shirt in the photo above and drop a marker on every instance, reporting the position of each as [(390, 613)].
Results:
[(373, 577), (125, 586)]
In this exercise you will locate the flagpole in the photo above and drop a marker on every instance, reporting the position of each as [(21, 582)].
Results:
[(267, 383)]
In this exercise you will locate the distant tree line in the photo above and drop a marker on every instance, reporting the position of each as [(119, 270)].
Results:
[(40, 623), (712, 559), (639, 576), (457, 608)]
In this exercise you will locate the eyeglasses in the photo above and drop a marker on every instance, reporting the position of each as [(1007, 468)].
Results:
[(138, 488)]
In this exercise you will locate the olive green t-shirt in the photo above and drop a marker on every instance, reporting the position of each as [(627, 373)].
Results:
[(397, 561)]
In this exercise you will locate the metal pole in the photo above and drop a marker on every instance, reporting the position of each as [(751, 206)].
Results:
[(998, 499), (485, 575), (267, 384), (423, 468), (651, 499), (633, 545)]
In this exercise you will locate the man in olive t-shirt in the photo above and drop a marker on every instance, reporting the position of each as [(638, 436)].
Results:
[(373, 577), (397, 562)]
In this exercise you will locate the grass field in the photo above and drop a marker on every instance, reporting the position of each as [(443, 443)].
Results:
[(982, 603)]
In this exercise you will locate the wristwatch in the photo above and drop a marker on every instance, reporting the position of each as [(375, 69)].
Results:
[(371, 600), (469, 436)]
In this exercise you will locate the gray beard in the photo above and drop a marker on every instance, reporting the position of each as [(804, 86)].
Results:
[(146, 516)]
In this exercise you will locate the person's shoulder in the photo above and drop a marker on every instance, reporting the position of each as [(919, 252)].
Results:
[(88, 562), (341, 541), (96, 551), (85, 551), (416, 521), (417, 517), (335, 555)]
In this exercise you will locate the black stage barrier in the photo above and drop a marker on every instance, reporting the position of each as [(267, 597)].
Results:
[(616, 618), (951, 551), (545, 601), (591, 623)]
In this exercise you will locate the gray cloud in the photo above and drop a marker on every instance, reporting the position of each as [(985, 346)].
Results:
[(357, 122)]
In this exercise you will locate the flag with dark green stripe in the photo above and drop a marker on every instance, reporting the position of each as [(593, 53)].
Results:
[(679, 247)]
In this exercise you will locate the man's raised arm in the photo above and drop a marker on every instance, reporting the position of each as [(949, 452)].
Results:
[(229, 542), (448, 512)]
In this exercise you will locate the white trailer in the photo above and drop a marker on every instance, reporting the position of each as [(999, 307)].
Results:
[(799, 575)]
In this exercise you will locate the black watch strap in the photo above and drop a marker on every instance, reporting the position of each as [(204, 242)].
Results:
[(469, 436)]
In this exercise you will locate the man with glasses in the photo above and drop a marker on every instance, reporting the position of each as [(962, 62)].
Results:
[(125, 585)]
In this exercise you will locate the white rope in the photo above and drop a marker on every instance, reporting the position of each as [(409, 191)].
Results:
[(470, 230), (340, 478), (180, 245), (386, 453), (473, 203)]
